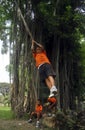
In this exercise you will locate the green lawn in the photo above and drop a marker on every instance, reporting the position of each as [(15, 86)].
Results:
[(5, 113)]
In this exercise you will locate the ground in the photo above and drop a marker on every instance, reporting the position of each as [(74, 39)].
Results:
[(19, 125), (15, 125)]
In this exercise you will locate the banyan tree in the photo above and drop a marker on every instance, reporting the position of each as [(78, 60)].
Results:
[(55, 24)]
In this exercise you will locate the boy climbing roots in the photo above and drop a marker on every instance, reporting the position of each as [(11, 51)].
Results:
[(44, 66)]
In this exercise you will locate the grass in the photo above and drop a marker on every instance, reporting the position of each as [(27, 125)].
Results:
[(6, 113)]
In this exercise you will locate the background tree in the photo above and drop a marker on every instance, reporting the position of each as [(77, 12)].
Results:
[(5, 94)]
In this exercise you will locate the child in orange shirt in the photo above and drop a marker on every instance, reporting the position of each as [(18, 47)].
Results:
[(52, 101), (52, 105), (44, 66), (37, 113)]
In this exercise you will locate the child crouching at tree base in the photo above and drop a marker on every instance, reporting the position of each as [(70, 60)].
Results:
[(37, 113), (51, 105)]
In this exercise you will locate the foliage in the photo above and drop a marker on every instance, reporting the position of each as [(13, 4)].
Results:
[(5, 91), (70, 121), (5, 15), (82, 64), (4, 85)]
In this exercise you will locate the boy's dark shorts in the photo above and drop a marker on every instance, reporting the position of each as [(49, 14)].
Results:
[(46, 70), (35, 114)]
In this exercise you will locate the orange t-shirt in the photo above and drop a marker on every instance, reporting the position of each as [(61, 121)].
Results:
[(38, 108), (52, 100), (40, 58)]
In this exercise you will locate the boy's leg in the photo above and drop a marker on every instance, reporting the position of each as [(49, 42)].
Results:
[(53, 90), (51, 84), (32, 114), (38, 117)]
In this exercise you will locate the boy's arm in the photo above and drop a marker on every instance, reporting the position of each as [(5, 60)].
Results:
[(39, 45), (53, 104), (34, 42)]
